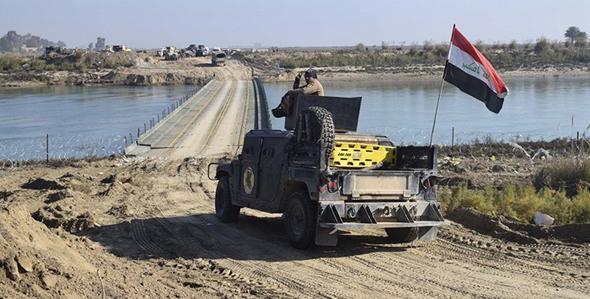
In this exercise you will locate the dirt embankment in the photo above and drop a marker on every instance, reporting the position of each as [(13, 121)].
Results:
[(76, 231), (146, 71)]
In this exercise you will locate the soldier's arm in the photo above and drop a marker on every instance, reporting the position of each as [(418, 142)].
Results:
[(310, 88), (307, 89), (296, 82)]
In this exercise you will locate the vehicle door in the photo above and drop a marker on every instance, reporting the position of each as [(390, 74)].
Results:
[(272, 158), (249, 174)]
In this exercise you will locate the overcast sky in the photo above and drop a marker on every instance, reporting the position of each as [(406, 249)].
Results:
[(151, 24)]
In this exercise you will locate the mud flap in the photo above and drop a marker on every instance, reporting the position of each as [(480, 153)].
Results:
[(427, 233), (326, 236)]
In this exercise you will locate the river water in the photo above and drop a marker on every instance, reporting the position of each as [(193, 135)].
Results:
[(80, 121), (92, 121), (542, 108)]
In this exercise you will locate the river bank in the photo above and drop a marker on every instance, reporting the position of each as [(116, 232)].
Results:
[(410, 73), (146, 71), (154, 71)]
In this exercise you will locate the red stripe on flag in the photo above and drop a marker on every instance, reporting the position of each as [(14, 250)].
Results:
[(461, 42)]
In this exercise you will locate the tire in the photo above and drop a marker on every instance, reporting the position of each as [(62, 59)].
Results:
[(225, 210), (319, 128), (402, 235), (301, 220)]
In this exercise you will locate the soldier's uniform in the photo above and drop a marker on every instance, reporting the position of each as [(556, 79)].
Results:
[(312, 88)]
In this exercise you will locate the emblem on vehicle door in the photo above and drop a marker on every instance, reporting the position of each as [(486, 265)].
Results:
[(248, 180)]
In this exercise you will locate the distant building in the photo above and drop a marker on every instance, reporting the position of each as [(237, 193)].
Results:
[(100, 44)]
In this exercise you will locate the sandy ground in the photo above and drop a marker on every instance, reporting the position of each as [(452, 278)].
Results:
[(145, 227)]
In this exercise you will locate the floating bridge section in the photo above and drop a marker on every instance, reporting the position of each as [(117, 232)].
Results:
[(169, 132)]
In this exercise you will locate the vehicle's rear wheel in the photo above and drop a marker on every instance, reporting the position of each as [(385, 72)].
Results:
[(225, 210), (316, 125), (402, 235), (301, 220)]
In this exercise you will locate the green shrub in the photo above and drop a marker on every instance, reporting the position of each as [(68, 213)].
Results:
[(567, 175), (10, 64), (521, 203)]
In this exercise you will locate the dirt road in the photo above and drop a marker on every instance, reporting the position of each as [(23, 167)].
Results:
[(135, 227)]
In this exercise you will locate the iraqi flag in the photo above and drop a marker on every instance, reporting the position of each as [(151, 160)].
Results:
[(471, 72)]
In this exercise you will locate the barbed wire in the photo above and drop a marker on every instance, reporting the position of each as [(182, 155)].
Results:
[(16, 151)]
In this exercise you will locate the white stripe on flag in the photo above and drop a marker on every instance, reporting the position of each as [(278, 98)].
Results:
[(466, 63)]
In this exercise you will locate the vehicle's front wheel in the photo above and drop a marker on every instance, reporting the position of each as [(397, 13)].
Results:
[(301, 220), (402, 235), (225, 210)]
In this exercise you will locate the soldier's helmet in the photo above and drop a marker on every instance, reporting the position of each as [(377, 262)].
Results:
[(311, 73)]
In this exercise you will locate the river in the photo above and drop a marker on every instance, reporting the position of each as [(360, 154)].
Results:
[(80, 121), (94, 121), (541, 108)]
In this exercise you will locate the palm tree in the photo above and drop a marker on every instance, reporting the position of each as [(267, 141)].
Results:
[(576, 36)]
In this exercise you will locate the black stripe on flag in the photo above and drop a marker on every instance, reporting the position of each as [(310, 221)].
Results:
[(473, 87)]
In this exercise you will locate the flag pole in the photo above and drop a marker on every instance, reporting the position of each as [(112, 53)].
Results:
[(442, 82)]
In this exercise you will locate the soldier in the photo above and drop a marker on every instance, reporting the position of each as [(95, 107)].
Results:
[(313, 87)]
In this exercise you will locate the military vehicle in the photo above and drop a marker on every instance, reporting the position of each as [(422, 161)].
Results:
[(170, 53), (202, 51), (326, 178), (218, 58)]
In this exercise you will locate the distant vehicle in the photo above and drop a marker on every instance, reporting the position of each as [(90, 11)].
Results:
[(108, 48), (168, 49), (170, 53), (120, 48), (218, 58), (202, 50), (216, 49), (190, 51), (171, 56), (234, 52), (51, 50)]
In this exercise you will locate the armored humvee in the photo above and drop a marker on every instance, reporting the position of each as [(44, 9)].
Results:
[(326, 178), (218, 58)]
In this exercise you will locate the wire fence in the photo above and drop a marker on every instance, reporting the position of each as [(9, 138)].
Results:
[(19, 152), (135, 136)]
